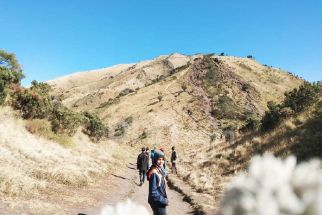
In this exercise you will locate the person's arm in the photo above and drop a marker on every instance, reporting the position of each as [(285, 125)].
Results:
[(137, 162), (155, 194)]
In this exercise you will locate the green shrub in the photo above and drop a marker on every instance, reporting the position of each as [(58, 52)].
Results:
[(160, 96), (211, 75), (64, 120), (129, 120), (225, 108), (31, 103), (184, 86), (94, 127), (272, 117), (119, 130), (40, 87), (143, 135), (295, 101), (252, 123), (301, 98), (3, 93)]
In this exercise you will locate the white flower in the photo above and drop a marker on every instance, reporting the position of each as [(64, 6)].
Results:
[(273, 186), (125, 208)]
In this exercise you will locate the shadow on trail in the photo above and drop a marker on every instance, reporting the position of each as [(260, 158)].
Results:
[(130, 166), (121, 177), (136, 183)]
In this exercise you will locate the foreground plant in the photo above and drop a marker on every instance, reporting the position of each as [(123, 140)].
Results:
[(273, 186)]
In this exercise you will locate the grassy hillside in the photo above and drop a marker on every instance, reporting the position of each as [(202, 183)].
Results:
[(34, 169), (208, 168), (175, 99)]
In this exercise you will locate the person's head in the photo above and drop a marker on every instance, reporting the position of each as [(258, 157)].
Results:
[(143, 149), (162, 150), (173, 148), (158, 158), (147, 149)]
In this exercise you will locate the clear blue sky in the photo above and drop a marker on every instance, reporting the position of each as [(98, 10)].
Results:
[(58, 37)]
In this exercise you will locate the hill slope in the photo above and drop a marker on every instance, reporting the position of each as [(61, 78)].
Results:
[(175, 98)]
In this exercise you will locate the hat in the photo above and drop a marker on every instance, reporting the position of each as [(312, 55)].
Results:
[(157, 154)]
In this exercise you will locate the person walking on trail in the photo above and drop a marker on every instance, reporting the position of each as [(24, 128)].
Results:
[(157, 199), (152, 153), (173, 160), (148, 154), (164, 164), (142, 165)]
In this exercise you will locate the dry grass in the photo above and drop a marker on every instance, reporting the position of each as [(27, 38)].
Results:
[(42, 128), (208, 168), (31, 165)]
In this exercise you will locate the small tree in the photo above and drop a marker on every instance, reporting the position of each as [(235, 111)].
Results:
[(32, 104), (94, 127), (64, 120), (10, 70)]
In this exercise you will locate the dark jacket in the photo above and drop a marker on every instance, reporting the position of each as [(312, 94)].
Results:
[(173, 156), (142, 162), (157, 187), (148, 154)]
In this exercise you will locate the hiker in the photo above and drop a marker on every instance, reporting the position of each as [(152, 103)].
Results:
[(157, 199), (164, 166), (173, 160), (148, 154), (152, 153), (142, 165)]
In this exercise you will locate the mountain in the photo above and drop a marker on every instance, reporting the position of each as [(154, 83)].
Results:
[(176, 99)]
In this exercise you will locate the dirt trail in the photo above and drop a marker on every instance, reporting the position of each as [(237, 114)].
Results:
[(125, 185)]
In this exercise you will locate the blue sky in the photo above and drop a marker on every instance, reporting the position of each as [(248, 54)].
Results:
[(55, 38)]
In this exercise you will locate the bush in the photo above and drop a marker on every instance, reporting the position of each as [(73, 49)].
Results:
[(272, 117), (211, 75), (143, 135), (184, 86), (64, 120), (119, 130), (295, 101), (94, 127), (301, 98), (31, 103), (225, 108), (40, 87), (252, 123), (160, 96), (3, 93)]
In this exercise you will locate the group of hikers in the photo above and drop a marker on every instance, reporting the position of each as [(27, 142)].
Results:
[(156, 175)]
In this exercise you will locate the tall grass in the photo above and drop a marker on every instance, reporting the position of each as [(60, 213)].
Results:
[(31, 165)]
